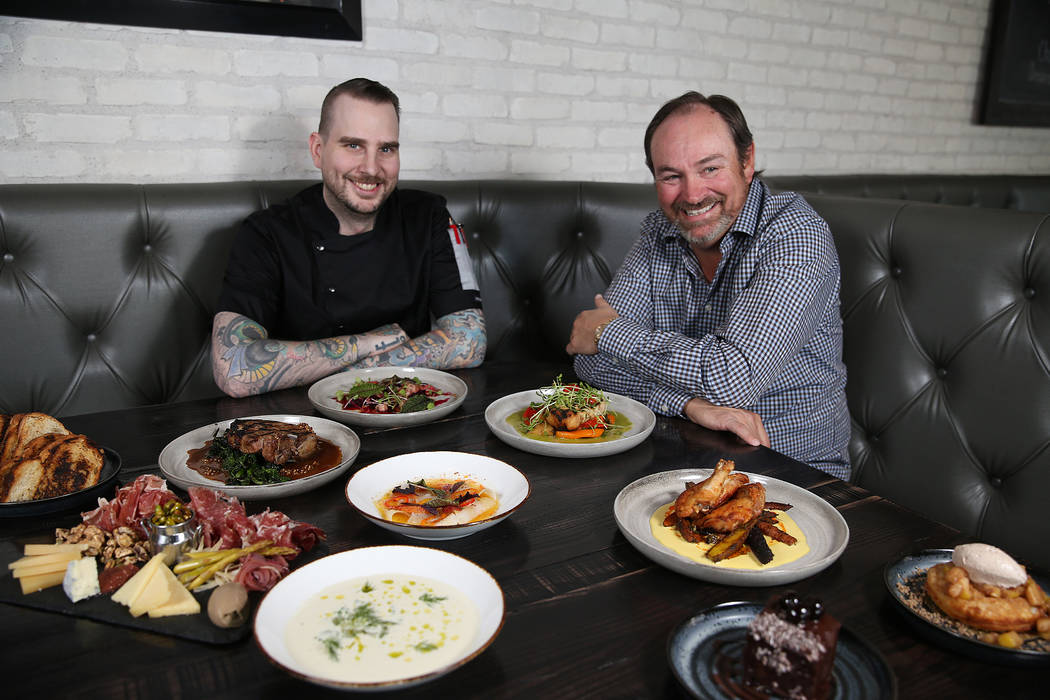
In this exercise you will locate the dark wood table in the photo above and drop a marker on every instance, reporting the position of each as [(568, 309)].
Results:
[(586, 614)]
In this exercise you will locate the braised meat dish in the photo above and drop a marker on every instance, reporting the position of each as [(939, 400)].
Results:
[(277, 443)]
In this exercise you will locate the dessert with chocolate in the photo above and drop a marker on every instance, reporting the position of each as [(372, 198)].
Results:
[(790, 648)]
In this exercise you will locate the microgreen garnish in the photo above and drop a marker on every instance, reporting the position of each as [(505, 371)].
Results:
[(564, 397)]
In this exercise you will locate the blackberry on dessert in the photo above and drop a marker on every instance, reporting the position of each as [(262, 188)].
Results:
[(790, 648)]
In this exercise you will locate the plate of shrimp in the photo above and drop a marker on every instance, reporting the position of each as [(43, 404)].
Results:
[(675, 518)]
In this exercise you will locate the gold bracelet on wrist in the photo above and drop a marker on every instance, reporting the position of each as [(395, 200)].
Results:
[(598, 332)]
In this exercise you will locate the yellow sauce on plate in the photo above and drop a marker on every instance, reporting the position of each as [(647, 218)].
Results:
[(782, 553), (613, 432)]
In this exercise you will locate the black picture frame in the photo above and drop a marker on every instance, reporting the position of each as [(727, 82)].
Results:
[(314, 19), (1017, 69)]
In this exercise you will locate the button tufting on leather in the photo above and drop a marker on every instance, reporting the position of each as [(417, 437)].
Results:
[(320, 249), (91, 337), (995, 481), (579, 234), (895, 271), (8, 257), (942, 372), (331, 290), (147, 248), (1029, 293)]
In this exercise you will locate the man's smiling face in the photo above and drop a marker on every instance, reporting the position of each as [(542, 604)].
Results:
[(701, 183), (359, 157)]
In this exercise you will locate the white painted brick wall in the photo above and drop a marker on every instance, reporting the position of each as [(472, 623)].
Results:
[(558, 89)]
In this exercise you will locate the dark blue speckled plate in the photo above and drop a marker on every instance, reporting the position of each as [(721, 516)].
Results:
[(859, 671), (943, 634)]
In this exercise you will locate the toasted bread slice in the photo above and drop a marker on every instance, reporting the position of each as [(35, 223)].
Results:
[(23, 428), (19, 479), (73, 464)]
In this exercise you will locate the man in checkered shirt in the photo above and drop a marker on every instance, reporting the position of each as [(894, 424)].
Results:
[(726, 310)]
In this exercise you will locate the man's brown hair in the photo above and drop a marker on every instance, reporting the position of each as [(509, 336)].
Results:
[(722, 105), (362, 89)]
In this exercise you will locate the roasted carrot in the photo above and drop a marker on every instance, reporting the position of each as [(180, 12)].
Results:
[(579, 434)]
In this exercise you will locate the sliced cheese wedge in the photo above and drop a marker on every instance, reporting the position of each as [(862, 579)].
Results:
[(38, 560), (131, 589), (23, 571), (156, 593), (32, 584), (38, 549), (182, 602)]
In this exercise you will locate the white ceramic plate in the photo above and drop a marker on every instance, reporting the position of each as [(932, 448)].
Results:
[(642, 420), (510, 486), (284, 600), (825, 529), (172, 459), (322, 391)]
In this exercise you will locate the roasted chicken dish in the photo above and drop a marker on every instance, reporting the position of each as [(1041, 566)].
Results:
[(730, 512)]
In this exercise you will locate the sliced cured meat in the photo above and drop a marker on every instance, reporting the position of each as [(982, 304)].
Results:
[(130, 504), (222, 518), (285, 532), (259, 573), (113, 578)]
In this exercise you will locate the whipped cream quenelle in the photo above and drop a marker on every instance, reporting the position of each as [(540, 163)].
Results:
[(989, 565)]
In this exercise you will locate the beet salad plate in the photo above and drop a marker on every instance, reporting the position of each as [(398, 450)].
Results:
[(174, 457), (446, 391)]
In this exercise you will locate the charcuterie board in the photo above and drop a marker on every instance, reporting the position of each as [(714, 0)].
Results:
[(101, 609)]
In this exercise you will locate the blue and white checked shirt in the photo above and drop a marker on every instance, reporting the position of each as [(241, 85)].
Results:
[(765, 335)]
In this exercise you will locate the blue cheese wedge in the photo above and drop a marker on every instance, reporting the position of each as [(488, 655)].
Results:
[(81, 579)]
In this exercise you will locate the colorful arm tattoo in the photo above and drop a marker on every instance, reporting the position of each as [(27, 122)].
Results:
[(458, 341), (246, 361)]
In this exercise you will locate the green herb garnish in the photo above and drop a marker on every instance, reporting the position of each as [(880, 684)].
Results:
[(425, 646), (354, 624), (243, 469), (331, 646), (431, 599)]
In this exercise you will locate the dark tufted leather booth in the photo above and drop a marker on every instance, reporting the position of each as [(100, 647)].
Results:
[(1021, 192), (107, 293)]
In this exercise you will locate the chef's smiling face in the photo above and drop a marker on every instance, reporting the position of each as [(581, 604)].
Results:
[(359, 157), (701, 181)]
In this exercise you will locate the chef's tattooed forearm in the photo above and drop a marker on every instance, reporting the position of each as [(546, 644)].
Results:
[(458, 341), (246, 361)]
